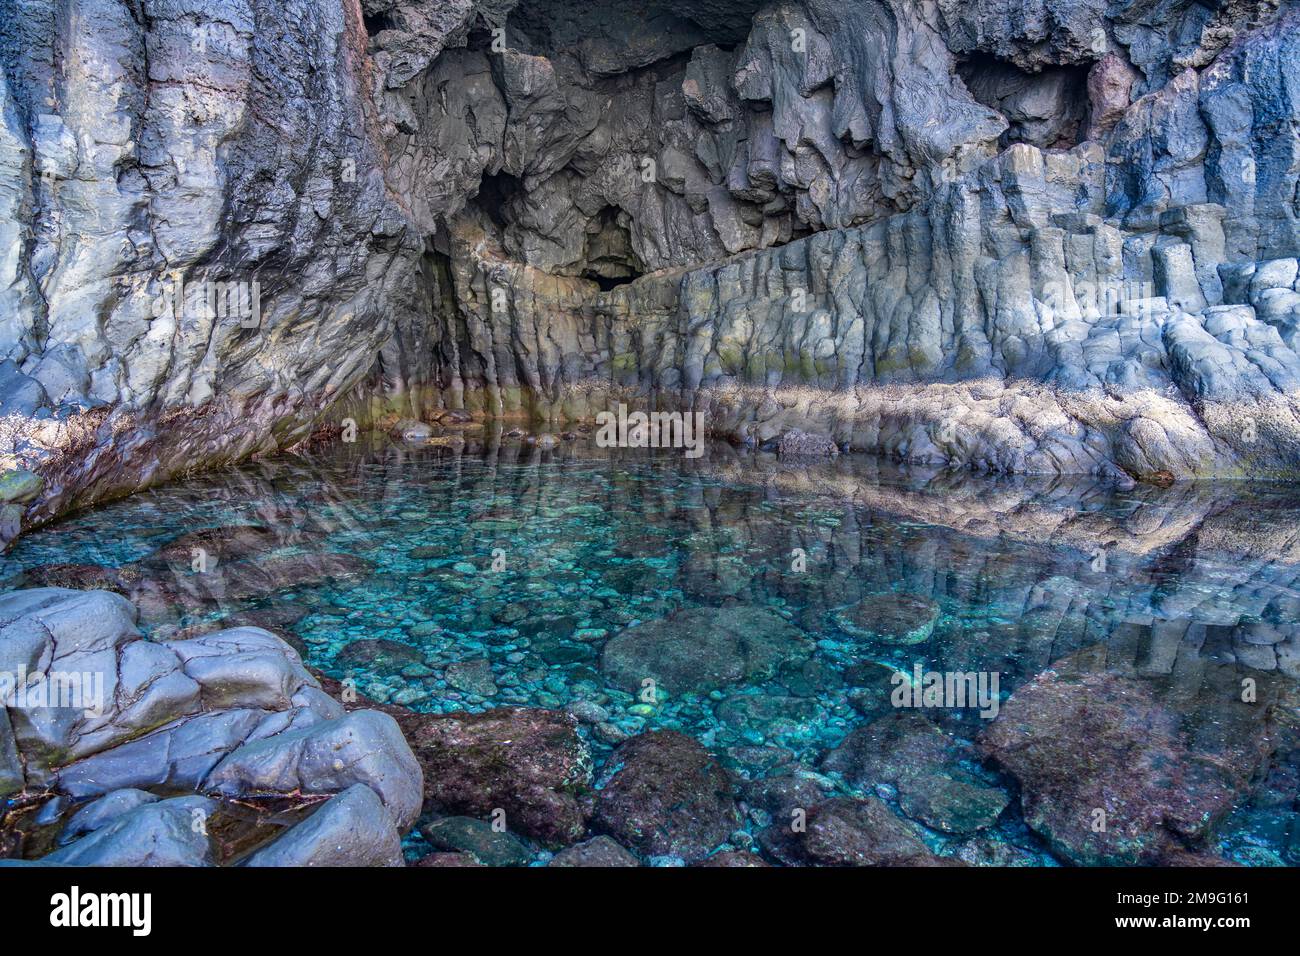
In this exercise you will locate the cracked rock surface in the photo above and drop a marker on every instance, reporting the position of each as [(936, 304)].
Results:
[(100, 718), (1053, 236)]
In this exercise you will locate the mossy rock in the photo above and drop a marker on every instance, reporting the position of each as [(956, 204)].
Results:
[(18, 485)]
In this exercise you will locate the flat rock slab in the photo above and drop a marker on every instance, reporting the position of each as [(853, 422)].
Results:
[(703, 649), (890, 618)]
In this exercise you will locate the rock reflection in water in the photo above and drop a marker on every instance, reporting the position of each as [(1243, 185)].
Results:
[(1144, 641)]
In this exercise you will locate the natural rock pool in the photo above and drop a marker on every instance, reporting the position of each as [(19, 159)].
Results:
[(1136, 650)]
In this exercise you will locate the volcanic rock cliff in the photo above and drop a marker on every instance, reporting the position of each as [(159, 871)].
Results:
[(1013, 235)]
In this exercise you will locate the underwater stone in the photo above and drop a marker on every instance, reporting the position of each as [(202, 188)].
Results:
[(479, 839), (598, 851), (844, 831), (379, 655), (472, 677), (926, 764), (529, 762), (1079, 742), (702, 649), (734, 858), (890, 618)]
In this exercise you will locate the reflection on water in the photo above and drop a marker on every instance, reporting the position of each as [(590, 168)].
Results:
[(770, 604)]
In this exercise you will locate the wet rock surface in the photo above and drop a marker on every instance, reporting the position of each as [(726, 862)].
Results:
[(1107, 774), (352, 828), (530, 763), (702, 648), (229, 714), (668, 797)]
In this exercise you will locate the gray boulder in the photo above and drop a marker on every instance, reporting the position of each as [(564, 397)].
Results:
[(362, 747), (98, 813), (167, 833), (351, 828)]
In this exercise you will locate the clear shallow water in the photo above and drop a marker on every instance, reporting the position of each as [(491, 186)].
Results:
[(1170, 586)]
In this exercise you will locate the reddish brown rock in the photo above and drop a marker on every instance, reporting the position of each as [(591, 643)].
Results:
[(847, 832), (598, 851), (1110, 776), (529, 762), (669, 797)]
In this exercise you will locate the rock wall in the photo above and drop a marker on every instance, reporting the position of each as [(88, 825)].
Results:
[(1041, 235), (1094, 310)]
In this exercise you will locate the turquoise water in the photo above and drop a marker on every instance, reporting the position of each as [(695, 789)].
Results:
[(499, 575)]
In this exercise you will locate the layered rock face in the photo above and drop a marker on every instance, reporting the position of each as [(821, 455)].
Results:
[(1037, 236)]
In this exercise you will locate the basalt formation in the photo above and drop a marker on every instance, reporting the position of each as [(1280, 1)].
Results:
[(1040, 236)]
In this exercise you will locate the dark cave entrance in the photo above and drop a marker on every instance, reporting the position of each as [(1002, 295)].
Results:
[(376, 23), (609, 259), (1048, 109), (495, 194)]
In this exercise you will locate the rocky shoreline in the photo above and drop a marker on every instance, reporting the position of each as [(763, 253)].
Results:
[(1060, 241)]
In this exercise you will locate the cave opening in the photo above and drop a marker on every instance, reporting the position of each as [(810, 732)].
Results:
[(496, 192), (378, 21), (1048, 109), (609, 259)]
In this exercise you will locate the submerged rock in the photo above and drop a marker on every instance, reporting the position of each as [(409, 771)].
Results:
[(472, 677), (702, 649), (381, 656), (1108, 775), (927, 767), (477, 838), (668, 797), (598, 851), (211, 546), (734, 858), (847, 832), (890, 618)]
